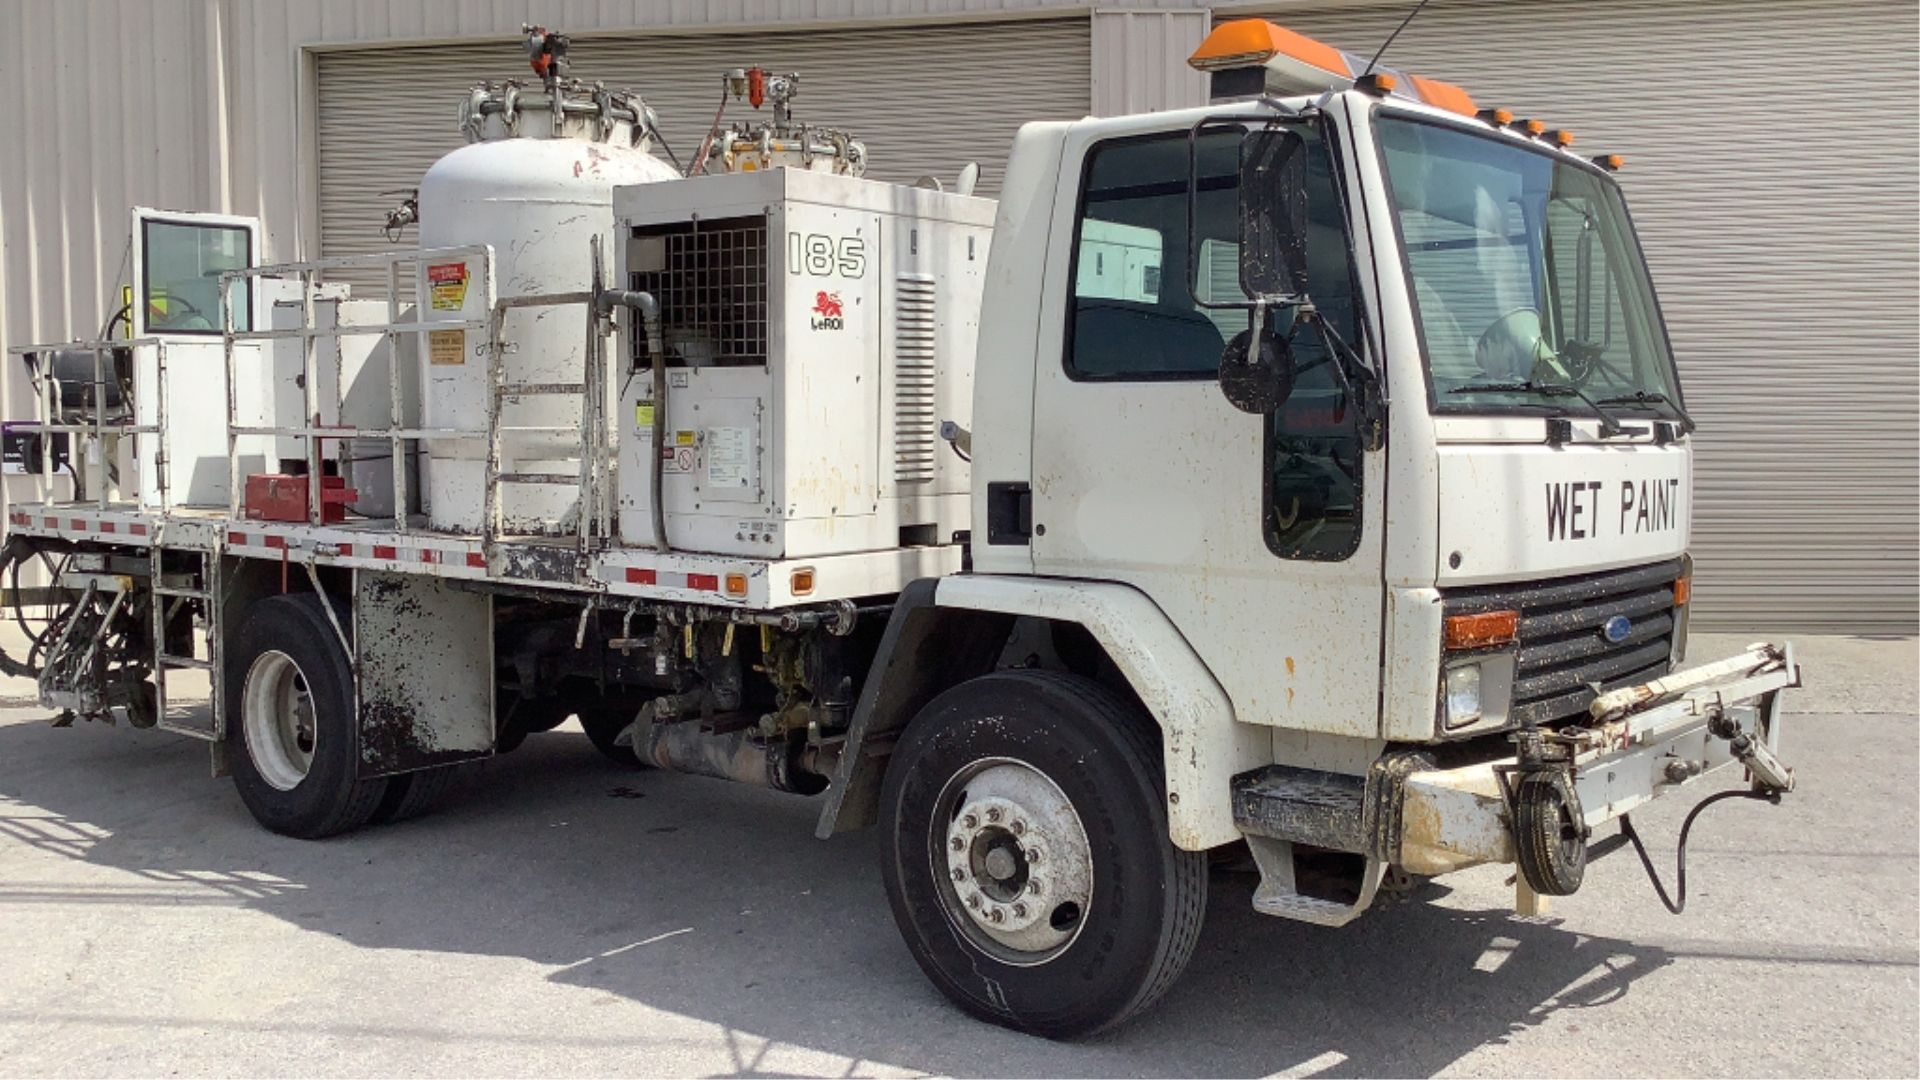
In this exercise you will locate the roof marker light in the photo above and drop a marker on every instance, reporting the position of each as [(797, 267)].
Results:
[(1496, 117), (1610, 162), (1535, 128), (1561, 137), (1379, 84)]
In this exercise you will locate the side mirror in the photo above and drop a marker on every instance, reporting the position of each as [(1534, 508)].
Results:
[(1273, 214), (1257, 380)]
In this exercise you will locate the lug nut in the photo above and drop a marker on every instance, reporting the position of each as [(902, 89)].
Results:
[(996, 915), (1020, 911), (970, 821), (958, 844), (993, 813), (1032, 854), (973, 901), (1033, 885), (1019, 827), (959, 874)]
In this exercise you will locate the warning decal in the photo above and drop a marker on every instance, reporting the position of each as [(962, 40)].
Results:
[(446, 346), (448, 283)]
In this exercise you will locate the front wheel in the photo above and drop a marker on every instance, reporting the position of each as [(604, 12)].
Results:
[(1027, 858)]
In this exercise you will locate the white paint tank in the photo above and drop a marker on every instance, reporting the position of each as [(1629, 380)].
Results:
[(537, 192)]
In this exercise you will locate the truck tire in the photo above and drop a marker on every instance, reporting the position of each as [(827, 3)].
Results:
[(412, 794), (603, 724), (1026, 854), (292, 739)]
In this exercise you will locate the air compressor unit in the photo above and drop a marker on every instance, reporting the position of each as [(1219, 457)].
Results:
[(814, 331)]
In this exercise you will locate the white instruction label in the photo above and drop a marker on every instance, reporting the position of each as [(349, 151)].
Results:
[(731, 462)]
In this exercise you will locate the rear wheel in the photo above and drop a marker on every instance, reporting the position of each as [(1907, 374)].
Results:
[(1027, 858), (603, 724), (291, 734)]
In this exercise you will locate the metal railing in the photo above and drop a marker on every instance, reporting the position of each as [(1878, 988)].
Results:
[(48, 404), (315, 434)]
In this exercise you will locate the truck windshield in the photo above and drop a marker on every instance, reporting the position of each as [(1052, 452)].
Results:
[(1526, 275)]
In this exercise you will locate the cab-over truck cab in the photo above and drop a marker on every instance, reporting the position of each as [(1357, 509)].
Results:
[(1337, 424)]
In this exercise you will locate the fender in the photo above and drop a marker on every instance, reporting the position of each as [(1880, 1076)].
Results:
[(1204, 746)]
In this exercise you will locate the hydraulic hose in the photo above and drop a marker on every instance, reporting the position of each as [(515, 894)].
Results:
[(1678, 902)]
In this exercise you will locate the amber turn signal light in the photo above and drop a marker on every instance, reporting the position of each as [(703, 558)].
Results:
[(1480, 630), (1682, 591)]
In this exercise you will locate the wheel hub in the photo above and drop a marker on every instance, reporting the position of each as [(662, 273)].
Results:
[(277, 711), (1017, 859)]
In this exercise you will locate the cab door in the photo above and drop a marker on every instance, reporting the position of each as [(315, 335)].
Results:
[(1258, 536)]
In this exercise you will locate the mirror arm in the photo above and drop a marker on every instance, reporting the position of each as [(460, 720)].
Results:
[(1357, 380)]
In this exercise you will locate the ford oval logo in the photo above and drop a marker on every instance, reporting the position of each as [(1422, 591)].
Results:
[(1616, 629)]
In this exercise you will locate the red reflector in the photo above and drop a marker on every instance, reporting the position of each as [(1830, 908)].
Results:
[(108, 526), (52, 523), (384, 551), (237, 539), (1486, 628), (276, 542), (138, 530), (77, 525), (426, 555), (637, 576), (475, 558), (708, 582)]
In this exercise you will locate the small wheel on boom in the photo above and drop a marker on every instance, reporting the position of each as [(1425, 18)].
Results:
[(1549, 835), (292, 737), (1027, 857)]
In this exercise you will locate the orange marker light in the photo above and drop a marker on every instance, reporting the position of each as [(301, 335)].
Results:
[(1481, 630), (1246, 42), (1682, 591), (1533, 127), (1610, 162), (1561, 137), (1379, 84), (1496, 117), (736, 584), (801, 582)]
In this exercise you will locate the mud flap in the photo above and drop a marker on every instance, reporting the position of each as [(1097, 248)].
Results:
[(424, 672)]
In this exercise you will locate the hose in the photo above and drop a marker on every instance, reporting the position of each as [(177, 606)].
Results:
[(1678, 903)]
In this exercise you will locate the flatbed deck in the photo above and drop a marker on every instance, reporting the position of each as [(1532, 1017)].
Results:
[(539, 562)]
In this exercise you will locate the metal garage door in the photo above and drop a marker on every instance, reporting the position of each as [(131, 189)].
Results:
[(1771, 166), (925, 99)]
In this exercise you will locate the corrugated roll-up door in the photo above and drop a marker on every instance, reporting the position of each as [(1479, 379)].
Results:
[(924, 99), (1772, 164)]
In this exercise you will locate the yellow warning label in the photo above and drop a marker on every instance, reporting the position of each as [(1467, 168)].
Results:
[(446, 346), (643, 415), (683, 438), (448, 283)]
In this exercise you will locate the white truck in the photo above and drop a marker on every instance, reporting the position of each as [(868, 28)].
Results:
[(1308, 471)]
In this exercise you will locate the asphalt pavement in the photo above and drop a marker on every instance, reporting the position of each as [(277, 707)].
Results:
[(562, 916)]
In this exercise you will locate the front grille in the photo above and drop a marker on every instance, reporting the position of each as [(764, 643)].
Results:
[(1562, 653)]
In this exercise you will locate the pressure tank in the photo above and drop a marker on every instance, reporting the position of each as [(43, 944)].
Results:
[(535, 182)]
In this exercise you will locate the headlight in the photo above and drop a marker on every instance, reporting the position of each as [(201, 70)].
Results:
[(1463, 695)]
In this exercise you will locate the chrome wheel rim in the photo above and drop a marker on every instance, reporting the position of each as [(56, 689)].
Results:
[(1014, 867), (277, 712)]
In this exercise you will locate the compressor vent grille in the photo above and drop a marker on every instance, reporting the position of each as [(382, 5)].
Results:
[(915, 427), (710, 278)]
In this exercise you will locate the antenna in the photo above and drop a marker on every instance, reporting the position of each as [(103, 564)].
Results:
[(1390, 37)]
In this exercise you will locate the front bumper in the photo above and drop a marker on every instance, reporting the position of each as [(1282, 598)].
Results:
[(1640, 743)]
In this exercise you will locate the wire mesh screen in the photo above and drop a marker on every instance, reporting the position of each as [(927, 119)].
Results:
[(710, 278)]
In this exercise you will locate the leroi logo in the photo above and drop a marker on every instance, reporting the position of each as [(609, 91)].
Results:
[(1616, 629), (828, 311)]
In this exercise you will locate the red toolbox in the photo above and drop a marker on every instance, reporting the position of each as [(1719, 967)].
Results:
[(280, 497)]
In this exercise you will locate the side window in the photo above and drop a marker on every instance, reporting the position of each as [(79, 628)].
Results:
[(1133, 315), (182, 267)]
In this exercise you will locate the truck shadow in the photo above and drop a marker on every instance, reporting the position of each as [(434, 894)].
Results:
[(713, 902)]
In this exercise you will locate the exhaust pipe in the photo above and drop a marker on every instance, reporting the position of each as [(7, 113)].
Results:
[(783, 764)]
